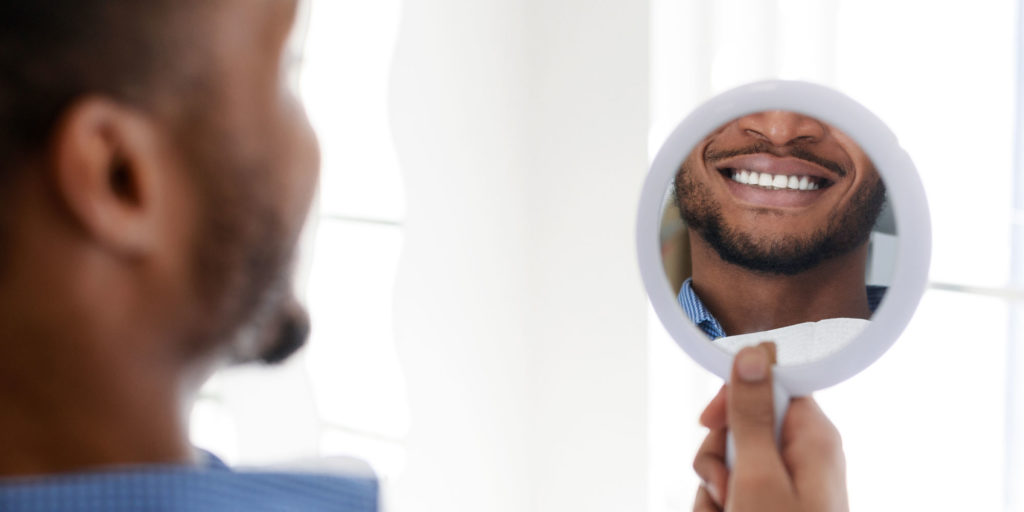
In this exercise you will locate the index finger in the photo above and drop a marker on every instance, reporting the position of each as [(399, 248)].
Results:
[(714, 416)]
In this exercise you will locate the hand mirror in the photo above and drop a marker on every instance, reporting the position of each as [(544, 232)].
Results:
[(787, 212)]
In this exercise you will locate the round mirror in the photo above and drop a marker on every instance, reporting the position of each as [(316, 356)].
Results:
[(786, 212)]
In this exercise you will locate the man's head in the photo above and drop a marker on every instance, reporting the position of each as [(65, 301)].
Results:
[(777, 192), (153, 159)]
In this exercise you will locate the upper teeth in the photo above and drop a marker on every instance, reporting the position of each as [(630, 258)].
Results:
[(774, 181)]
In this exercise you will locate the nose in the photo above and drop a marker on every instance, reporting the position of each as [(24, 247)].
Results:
[(782, 127)]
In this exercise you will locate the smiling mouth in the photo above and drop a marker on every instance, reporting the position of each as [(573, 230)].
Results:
[(768, 181)]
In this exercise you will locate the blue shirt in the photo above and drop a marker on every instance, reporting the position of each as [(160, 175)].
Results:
[(213, 488), (699, 314)]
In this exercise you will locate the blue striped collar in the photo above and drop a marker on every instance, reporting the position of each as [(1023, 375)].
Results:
[(706, 322), (698, 312), (213, 488)]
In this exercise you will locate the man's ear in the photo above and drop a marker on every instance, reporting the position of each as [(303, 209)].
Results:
[(106, 169)]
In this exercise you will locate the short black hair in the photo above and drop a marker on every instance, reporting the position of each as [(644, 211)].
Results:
[(53, 52)]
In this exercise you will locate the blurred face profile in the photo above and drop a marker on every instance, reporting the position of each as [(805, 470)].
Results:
[(778, 192), (254, 159)]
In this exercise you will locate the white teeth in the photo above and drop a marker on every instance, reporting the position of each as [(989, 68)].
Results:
[(774, 181)]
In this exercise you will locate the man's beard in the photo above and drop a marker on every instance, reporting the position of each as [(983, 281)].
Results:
[(786, 255), (242, 264), (243, 270)]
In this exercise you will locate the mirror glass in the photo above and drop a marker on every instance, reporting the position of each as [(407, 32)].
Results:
[(778, 227)]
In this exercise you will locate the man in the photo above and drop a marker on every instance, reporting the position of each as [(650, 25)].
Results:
[(779, 207), (155, 172)]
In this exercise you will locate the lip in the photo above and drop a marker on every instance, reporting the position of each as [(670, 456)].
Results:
[(770, 164)]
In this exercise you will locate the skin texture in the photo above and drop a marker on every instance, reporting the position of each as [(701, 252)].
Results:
[(806, 473), (144, 248), (789, 263)]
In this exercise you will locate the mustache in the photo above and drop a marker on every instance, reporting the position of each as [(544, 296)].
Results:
[(713, 156)]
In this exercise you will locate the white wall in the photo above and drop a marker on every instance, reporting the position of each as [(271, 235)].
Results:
[(521, 131), (461, 288), (588, 317)]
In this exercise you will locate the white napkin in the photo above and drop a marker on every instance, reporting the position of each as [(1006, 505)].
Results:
[(801, 343)]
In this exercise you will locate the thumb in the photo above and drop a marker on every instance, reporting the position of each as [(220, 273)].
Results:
[(750, 412)]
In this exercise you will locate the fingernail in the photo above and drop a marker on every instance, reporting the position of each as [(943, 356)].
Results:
[(713, 491), (752, 364)]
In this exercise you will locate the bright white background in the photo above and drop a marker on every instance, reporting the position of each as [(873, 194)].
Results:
[(480, 332), (927, 427)]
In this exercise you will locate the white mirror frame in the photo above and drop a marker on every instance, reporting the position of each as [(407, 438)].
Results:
[(905, 192)]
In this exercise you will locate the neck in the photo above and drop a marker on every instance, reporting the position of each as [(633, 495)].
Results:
[(64, 412), (92, 370), (745, 301)]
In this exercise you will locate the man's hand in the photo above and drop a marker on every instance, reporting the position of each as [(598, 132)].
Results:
[(807, 474)]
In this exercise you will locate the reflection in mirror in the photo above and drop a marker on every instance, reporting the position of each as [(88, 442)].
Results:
[(776, 228)]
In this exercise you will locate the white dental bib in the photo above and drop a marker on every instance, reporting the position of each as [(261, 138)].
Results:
[(801, 343)]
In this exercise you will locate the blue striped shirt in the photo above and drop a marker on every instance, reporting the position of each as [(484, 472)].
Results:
[(214, 488), (706, 322)]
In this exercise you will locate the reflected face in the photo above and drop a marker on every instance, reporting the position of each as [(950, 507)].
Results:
[(778, 192)]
